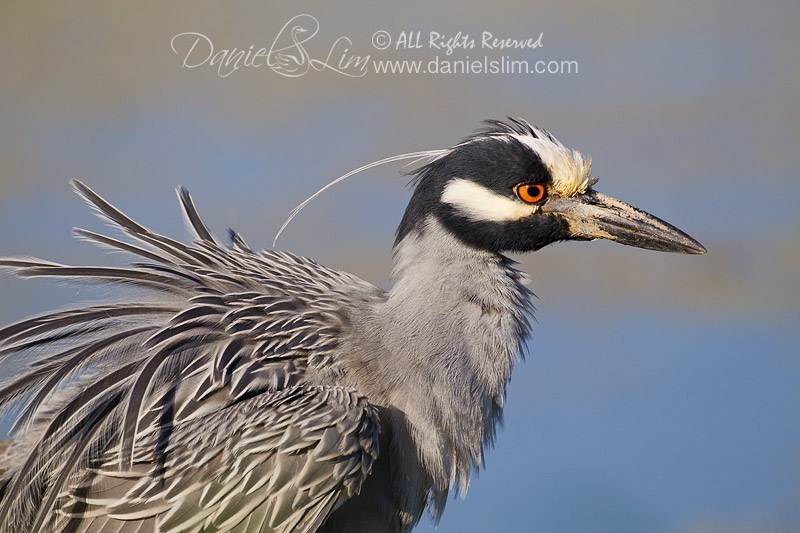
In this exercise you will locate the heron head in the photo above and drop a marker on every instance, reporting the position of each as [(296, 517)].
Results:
[(515, 187)]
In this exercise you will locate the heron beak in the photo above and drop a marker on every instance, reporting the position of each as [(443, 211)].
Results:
[(592, 215)]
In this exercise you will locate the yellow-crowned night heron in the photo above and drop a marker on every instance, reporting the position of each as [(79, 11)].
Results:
[(242, 391)]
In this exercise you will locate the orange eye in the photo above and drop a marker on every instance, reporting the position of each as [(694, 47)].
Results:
[(531, 193)]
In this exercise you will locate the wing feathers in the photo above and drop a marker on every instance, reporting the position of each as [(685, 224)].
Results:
[(194, 219), (202, 390)]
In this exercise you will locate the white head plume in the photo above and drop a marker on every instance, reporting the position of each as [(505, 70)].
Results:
[(416, 156)]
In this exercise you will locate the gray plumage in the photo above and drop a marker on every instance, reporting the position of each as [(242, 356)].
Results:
[(230, 390)]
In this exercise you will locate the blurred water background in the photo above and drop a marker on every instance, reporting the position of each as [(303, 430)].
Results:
[(660, 393)]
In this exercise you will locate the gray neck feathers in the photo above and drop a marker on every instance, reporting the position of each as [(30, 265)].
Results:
[(455, 320)]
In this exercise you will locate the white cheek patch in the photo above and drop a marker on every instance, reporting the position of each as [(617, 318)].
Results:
[(479, 203)]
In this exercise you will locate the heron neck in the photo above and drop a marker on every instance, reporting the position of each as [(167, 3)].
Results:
[(455, 319)]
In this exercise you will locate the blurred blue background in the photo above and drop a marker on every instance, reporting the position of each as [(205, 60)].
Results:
[(660, 393)]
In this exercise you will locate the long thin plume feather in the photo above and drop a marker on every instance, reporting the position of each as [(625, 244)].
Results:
[(416, 156)]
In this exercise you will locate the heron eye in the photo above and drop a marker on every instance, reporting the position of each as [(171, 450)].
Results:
[(531, 193)]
